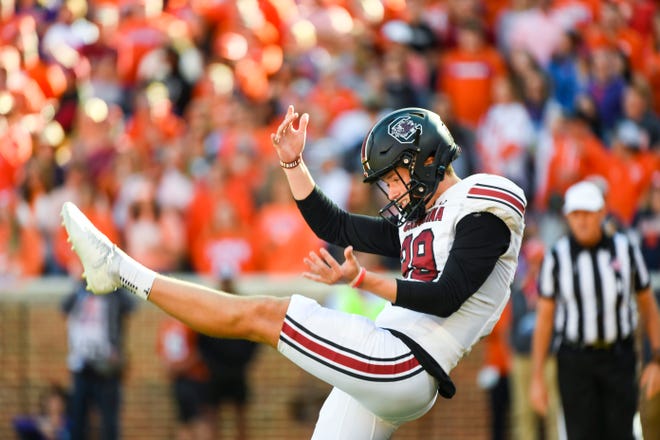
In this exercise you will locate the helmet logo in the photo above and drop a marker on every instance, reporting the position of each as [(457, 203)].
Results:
[(404, 129)]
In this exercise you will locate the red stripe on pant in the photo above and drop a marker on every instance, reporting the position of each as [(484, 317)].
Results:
[(347, 361)]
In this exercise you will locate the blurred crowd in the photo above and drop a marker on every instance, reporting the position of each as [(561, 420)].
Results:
[(154, 116)]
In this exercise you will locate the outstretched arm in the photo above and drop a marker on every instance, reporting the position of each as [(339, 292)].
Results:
[(330, 223), (289, 143), (369, 234)]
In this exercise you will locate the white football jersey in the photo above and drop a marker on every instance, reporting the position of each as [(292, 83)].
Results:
[(425, 248)]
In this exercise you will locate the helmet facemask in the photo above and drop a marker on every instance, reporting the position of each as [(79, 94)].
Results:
[(420, 187)]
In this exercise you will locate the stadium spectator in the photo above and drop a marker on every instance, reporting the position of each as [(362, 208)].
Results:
[(153, 123), (505, 22), (142, 28), (103, 80), (405, 82), (228, 362), (627, 167), (177, 346), (542, 109), (325, 162), (459, 12), (96, 141), (155, 234), (96, 359), (224, 242), (285, 239), (213, 187), (539, 30), (22, 248), (493, 377), (565, 71), (174, 186), (525, 424), (69, 34), (560, 161), (52, 421), (466, 73), (241, 142), (520, 64), (611, 29), (605, 86), (637, 109), (506, 135), (651, 68), (469, 160)]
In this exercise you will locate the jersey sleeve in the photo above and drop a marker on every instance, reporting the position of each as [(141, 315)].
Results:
[(330, 223)]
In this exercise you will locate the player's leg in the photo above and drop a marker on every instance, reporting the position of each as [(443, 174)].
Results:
[(215, 313), (209, 311), (350, 353), (343, 417)]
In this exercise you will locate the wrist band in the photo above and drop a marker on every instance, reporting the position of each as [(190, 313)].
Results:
[(358, 278), (292, 164)]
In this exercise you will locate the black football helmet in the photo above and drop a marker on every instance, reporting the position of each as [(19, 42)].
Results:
[(408, 138)]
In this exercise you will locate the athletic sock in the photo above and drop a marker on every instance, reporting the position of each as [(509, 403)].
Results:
[(135, 277)]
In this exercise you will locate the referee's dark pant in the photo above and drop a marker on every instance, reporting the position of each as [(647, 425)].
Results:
[(598, 389)]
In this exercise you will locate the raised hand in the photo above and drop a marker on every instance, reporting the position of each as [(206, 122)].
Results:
[(289, 141)]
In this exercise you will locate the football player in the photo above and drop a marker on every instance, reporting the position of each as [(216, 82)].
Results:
[(458, 241)]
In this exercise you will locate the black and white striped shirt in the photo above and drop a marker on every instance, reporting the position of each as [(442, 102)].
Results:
[(594, 288)]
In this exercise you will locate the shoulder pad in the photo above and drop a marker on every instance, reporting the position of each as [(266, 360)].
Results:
[(499, 196)]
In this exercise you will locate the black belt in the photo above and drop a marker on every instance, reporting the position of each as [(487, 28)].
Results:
[(619, 344)]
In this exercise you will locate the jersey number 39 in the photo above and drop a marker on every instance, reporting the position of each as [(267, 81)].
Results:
[(417, 259)]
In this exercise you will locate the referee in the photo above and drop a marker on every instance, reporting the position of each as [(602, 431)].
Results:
[(592, 286)]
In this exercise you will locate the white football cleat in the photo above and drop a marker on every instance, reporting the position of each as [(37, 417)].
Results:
[(99, 256)]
